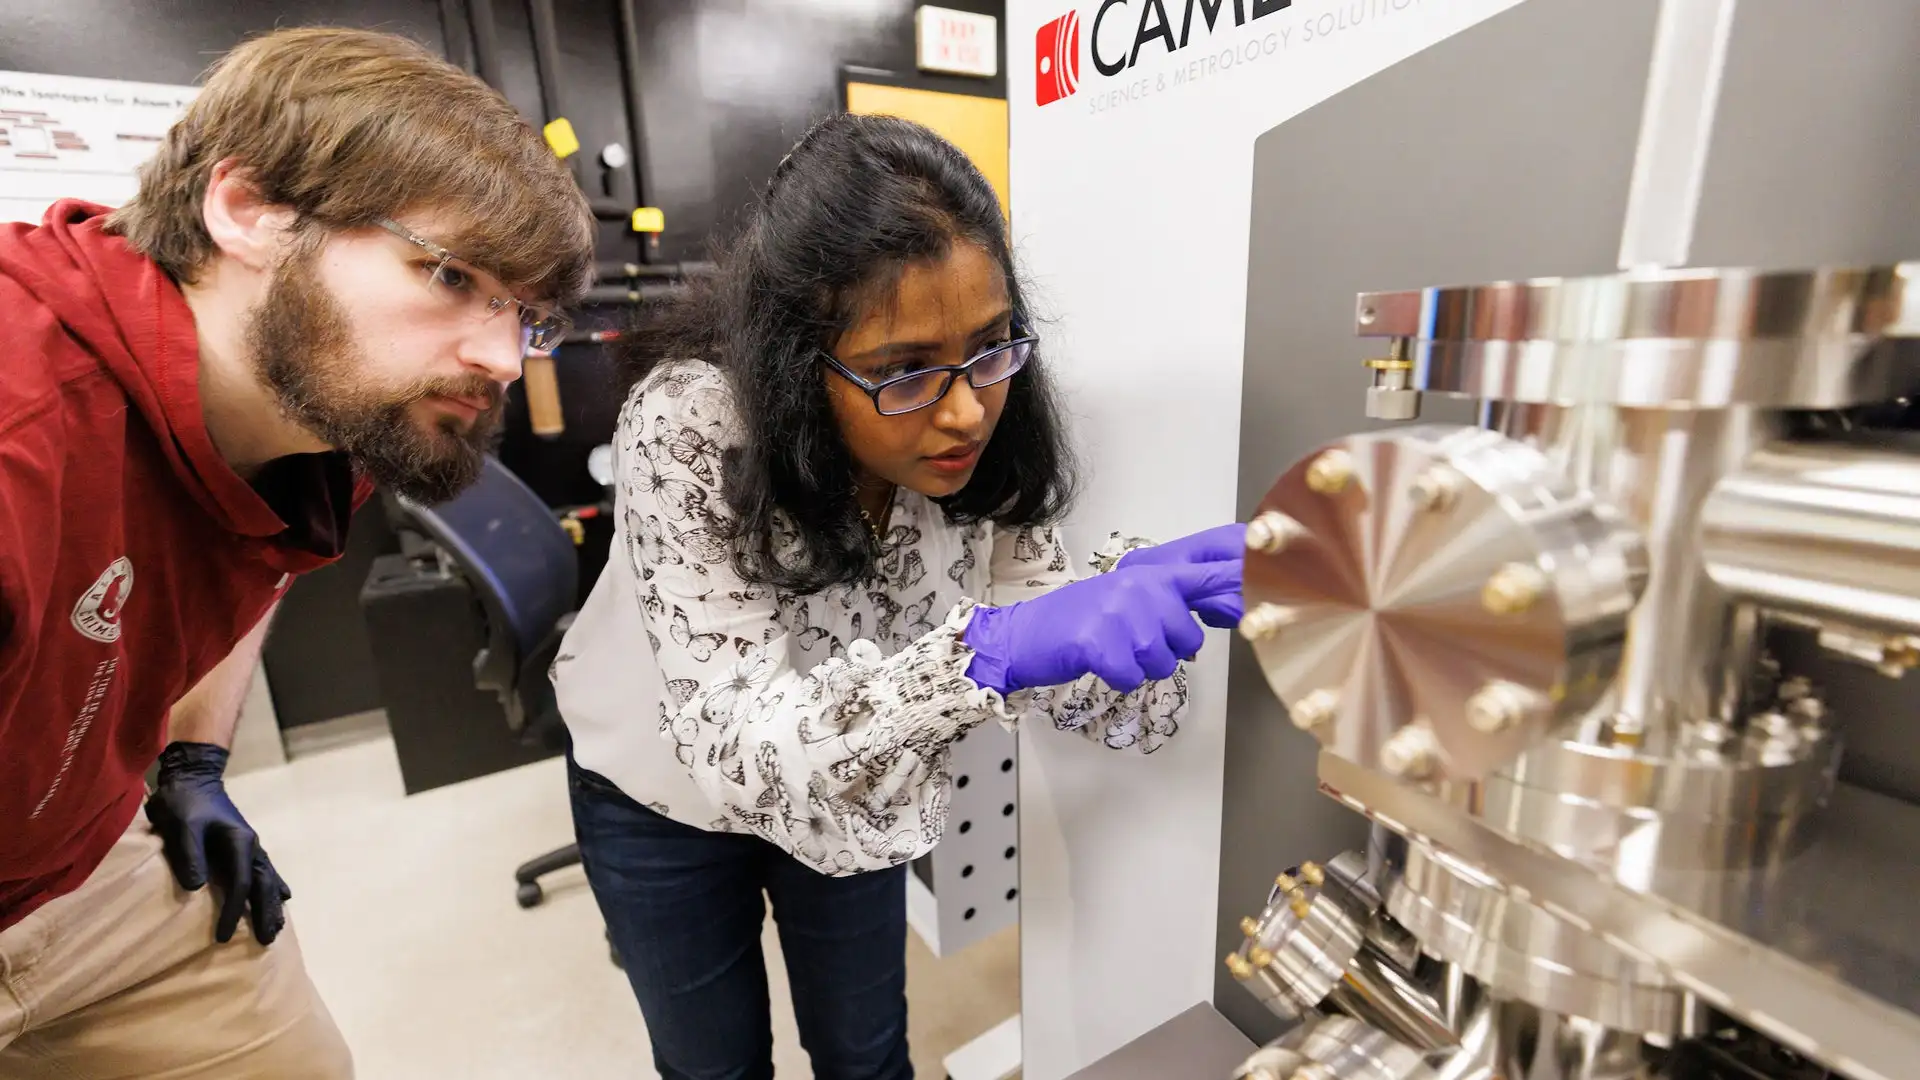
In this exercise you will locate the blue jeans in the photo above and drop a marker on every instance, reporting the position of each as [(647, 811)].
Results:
[(684, 909)]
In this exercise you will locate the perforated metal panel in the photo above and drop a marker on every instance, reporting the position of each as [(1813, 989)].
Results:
[(976, 869)]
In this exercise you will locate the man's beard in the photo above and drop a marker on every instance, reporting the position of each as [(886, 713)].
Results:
[(303, 345)]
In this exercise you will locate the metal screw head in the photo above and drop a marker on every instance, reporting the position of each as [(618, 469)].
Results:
[(1773, 731), (1285, 883), (1435, 489), (1808, 710), (1330, 472), (1265, 620), (1411, 753), (1497, 707), (1901, 655), (1793, 688), (1259, 957), (1312, 874), (1299, 905), (1708, 736), (1250, 926), (1315, 710), (1269, 533), (1512, 589), (1238, 965)]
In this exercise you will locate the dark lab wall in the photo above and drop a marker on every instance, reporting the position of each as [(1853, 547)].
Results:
[(172, 41), (727, 87), (730, 85)]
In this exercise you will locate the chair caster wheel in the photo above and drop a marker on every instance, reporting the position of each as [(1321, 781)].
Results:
[(529, 894)]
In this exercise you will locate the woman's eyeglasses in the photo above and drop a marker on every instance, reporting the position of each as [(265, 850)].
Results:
[(918, 389)]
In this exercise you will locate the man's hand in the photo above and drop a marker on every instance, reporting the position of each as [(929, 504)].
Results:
[(207, 840)]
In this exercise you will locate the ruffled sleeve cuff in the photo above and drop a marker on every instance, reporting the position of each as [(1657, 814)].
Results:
[(1110, 553)]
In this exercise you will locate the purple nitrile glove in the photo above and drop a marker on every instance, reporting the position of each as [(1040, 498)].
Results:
[(1220, 544), (205, 838), (1126, 626)]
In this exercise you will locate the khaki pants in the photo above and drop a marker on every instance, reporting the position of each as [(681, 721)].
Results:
[(122, 978)]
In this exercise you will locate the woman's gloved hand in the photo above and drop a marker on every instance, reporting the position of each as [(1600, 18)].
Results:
[(1127, 626), (207, 839), (1222, 544)]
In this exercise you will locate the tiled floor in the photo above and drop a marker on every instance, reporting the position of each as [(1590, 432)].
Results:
[(405, 907)]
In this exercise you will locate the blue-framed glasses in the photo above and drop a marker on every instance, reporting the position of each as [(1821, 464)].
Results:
[(920, 388)]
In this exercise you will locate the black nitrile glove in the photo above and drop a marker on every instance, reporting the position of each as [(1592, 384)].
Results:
[(206, 838)]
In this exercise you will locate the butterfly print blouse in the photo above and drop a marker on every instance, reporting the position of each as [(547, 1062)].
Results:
[(819, 722)]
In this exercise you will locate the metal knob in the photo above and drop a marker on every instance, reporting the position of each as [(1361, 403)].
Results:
[(1392, 403), (1392, 396), (1312, 874)]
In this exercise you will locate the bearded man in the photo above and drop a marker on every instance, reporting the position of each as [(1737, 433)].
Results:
[(330, 274)]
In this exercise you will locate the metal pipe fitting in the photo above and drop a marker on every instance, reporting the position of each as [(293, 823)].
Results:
[(1827, 531)]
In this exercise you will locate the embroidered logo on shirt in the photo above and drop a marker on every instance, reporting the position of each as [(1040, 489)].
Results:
[(97, 615)]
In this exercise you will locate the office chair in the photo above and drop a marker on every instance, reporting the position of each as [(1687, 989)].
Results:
[(520, 563)]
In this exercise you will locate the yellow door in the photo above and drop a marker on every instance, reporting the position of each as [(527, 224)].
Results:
[(977, 125)]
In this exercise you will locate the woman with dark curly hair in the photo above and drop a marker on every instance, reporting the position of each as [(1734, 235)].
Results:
[(839, 462)]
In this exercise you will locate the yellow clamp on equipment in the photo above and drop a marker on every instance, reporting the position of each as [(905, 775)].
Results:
[(649, 219), (560, 137)]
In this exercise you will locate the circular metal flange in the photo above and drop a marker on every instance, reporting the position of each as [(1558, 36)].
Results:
[(1343, 1048), (1442, 599), (1520, 951), (1298, 948), (1653, 817), (1670, 339)]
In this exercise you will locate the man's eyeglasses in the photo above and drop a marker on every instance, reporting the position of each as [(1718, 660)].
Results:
[(918, 389), (457, 286)]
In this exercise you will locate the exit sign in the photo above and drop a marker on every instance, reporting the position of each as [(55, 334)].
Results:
[(957, 42)]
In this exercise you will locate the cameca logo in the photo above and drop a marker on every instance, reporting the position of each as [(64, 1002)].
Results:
[(1056, 53), (1153, 25), (1057, 48)]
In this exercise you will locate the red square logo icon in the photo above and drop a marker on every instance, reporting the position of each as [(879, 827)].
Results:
[(1056, 51)]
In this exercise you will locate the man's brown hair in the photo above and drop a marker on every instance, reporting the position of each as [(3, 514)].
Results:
[(350, 126)]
